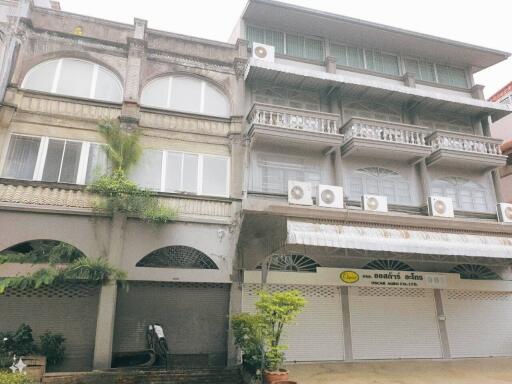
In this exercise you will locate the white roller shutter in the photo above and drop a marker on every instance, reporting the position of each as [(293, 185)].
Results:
[(479, 324), (393, 323), (317, 334)]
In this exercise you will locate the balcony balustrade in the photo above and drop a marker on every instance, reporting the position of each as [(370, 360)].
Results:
[(368, 137), (455, 148), (294, 126)]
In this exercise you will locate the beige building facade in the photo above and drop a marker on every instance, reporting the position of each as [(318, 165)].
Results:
[(242, 138)]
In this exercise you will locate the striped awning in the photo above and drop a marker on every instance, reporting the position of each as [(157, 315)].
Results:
[(397, 240)]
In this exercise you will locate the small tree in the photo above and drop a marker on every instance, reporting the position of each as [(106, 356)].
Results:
[(259, 334)]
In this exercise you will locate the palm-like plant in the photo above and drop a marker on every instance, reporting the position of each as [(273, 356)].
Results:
[(122, 147)]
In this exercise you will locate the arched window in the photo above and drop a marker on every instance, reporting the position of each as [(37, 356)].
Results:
[(73, 77), (187, 94), (177, 256), (388, 265), (466, 195), (475, 272), (380, 181), (292, 263)]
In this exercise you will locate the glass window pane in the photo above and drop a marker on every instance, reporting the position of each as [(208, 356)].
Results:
[(427, 72), (148, 171), (96, 164), (215, 176), (186, 94), (390, 65), (70, 162), (255, 35), (190, 171), (75, 78), (215, 103), (155, 93), (53, 160), (313, 49), (41, 77), (412, 66), (355, 57), (340, 53), (294, 45), (107, 87), (451, 76), (173, 172), (21, 157), (276, 39)]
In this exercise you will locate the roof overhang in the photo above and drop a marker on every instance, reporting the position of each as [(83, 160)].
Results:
[(352, 84), (397, 240), (367, 34)]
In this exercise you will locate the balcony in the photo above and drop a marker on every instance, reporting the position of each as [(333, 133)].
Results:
[(462, 149), (269, 124), (365, 137)]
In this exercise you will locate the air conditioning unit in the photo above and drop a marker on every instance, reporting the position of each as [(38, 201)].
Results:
[(374, 203), (440, 206), (330, 196), (299, 193), (263, 52), (504, 212)]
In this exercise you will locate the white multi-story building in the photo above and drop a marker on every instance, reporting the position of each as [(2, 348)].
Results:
[(344, 158)]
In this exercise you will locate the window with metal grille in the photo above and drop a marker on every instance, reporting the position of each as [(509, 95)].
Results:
[(380, 181), (466, 195), (288, 43), (475, 272), (436, 73), (388, 265), (291, 263), (370, 59), (274, 171), (177, 256)]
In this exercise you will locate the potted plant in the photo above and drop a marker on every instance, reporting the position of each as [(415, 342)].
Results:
[(259, 334)]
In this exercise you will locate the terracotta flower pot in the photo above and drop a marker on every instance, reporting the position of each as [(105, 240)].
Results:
[(275, 376)]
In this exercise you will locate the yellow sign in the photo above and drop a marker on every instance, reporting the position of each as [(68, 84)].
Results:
[(349, 277)]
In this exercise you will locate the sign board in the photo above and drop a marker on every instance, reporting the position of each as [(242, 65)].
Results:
[(395, 279)]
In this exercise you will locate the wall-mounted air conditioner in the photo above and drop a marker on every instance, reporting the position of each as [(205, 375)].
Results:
[(374, 203), (263, 52), (504, 212), (330, 196), (299, 193), (440, 206)]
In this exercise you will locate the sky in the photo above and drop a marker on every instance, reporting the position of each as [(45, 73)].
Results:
[(486, 23)]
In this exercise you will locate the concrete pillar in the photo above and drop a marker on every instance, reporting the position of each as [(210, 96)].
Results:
[(477, 91), (234, 356), (441, 322), (330, 64), (496, 180), (486, 126), (424, 179), (409, 79), (107, 305), (347, 328), (136, 52)]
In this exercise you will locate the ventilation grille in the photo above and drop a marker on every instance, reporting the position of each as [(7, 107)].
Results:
[(479, 295), (396, 292), (307, 290), (61, 290)]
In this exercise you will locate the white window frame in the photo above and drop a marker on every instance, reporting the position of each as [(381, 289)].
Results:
[(200, 166), (57, 73), (201, 100), (43, 151)]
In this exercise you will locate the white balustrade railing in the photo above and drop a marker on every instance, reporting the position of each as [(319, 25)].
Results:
[(464, 142), (384, 131), (292, 118)]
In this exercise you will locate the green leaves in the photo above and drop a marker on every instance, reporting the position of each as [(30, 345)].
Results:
[(83, 269), (123, 148), (43, 251), (259, 334)]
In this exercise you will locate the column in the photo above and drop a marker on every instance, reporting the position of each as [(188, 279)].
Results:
[(108, 297), (347, 329), (496, 180), (441, 322), (424, 179)]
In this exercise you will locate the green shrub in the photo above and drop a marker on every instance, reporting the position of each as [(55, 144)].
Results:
[(14, 378), (52, 346), (19, 343)]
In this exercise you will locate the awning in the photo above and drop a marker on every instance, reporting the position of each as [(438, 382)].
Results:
[(397, 240)]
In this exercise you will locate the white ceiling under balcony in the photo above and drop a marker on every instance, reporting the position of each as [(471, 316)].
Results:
[(358, 86), (287, 17)]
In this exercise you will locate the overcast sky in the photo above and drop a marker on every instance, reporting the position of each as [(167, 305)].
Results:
[(487, 23)]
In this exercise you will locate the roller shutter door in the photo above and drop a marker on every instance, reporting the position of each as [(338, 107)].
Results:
[(393, 323), (479, 324), (68, 309), (194, 317), (317, 333)]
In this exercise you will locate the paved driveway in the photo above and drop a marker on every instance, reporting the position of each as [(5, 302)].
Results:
[(462, 371)]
